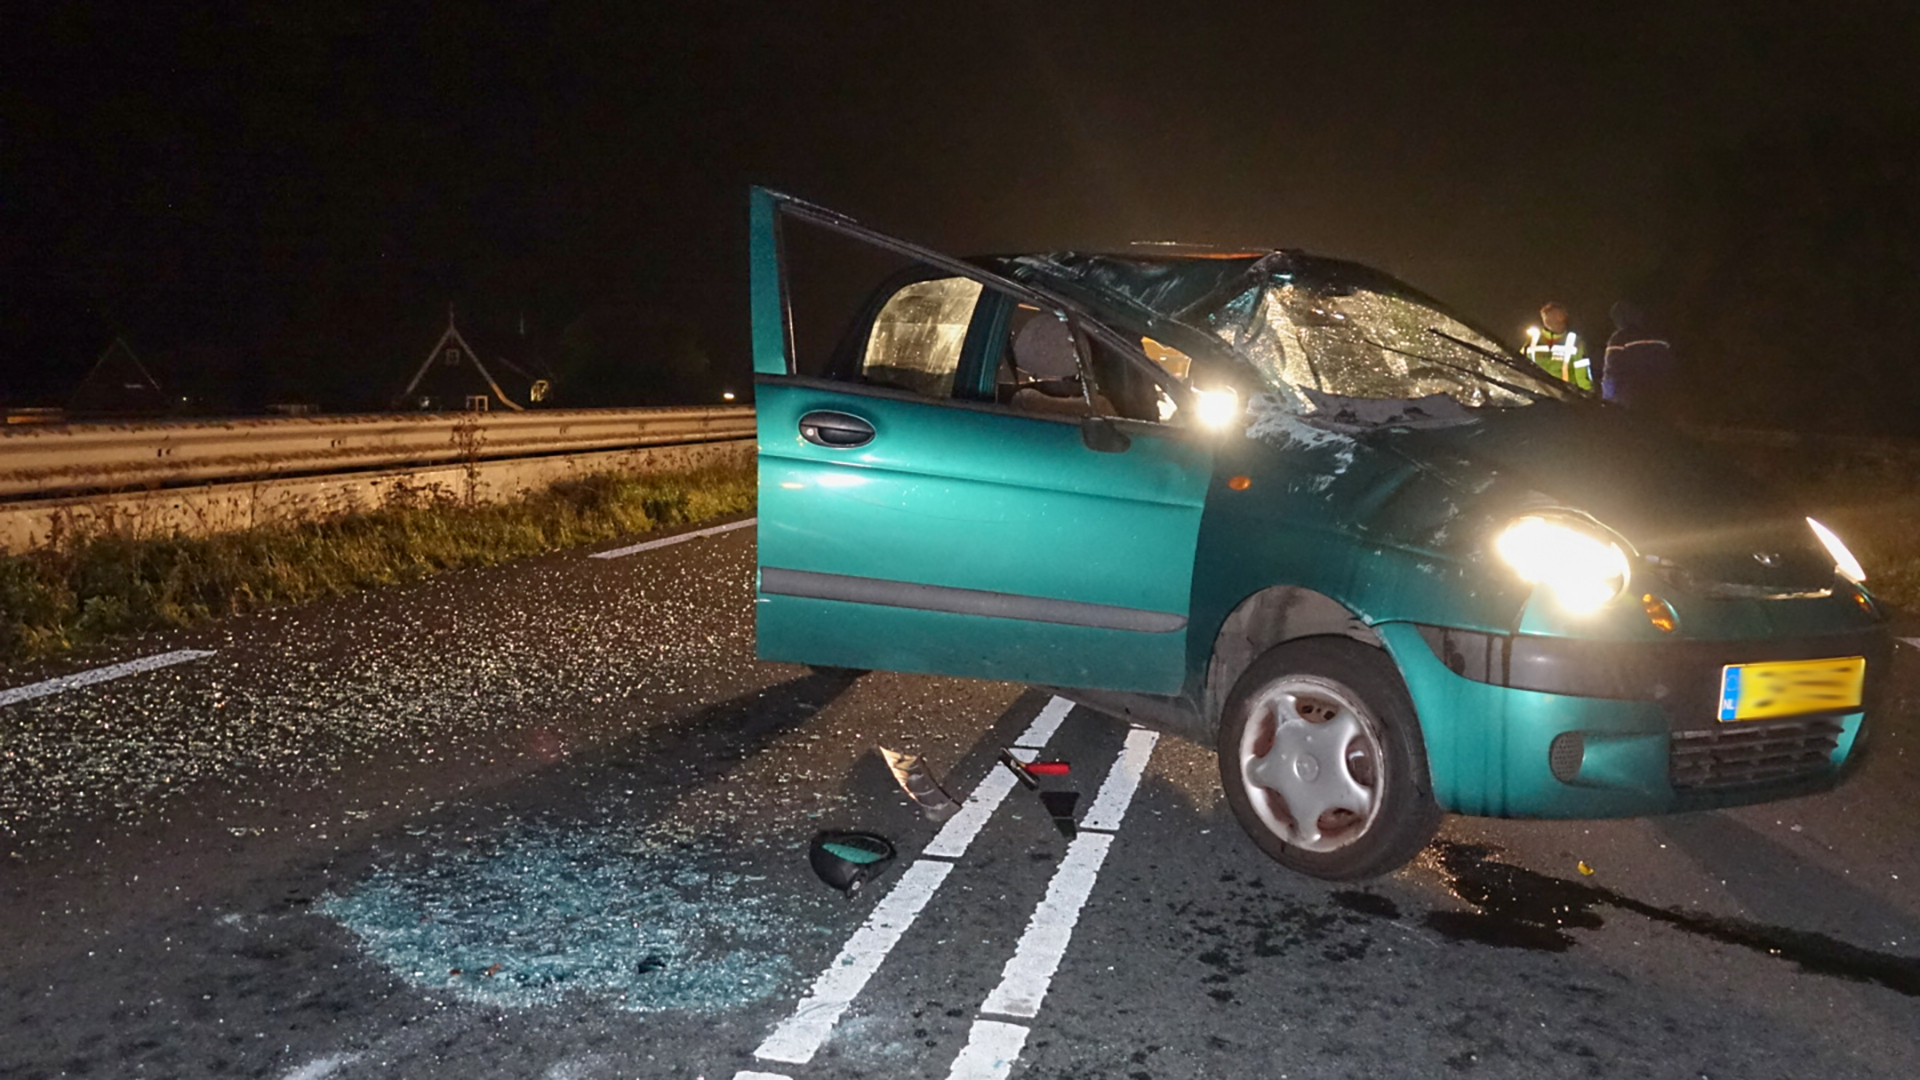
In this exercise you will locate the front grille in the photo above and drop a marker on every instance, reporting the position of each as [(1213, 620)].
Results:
[(1739, 754)]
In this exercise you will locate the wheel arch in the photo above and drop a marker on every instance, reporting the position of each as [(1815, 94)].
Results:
[(1274, 616)]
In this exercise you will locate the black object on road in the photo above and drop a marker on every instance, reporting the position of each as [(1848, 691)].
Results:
[(1060, 806), (847, 860)]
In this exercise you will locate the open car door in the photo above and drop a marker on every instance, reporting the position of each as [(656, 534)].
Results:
[(972, 480)]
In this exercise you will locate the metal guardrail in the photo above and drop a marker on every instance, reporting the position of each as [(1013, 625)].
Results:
[(217, 507), (42, 460)]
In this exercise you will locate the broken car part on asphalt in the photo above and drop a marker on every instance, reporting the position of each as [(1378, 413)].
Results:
[(914, 778), (847, 860)]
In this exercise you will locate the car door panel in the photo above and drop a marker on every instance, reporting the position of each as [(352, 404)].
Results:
[(965, 538), (954, 527)]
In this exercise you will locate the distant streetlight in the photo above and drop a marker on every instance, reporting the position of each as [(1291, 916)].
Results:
[(726, 395)]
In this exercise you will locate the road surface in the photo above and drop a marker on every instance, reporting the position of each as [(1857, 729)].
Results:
[(551, 820)]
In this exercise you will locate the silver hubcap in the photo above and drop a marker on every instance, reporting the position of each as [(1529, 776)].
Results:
[(1311, 761)]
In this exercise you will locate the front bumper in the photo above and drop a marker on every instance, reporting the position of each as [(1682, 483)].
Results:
[(1532, 726)]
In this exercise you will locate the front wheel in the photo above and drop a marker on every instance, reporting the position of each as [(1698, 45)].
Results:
[(1322, 760)]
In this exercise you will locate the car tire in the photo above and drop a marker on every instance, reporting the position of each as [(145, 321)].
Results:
[(1324, 725)]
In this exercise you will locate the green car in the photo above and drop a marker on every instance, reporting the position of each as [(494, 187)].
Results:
[(1289, 505)]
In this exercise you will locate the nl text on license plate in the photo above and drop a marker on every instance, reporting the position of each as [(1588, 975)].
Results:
[(1791, 687)]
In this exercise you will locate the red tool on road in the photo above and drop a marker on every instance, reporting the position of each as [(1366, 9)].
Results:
[(1027, 771)]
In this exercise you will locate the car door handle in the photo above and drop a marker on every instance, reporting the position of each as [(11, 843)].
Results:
[(835, 429)]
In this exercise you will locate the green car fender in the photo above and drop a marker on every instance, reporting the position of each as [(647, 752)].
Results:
[(1333, 517), (1317, 532), (1323, 533)]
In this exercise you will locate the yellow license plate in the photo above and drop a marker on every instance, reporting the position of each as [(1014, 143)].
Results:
[(1791, 687)]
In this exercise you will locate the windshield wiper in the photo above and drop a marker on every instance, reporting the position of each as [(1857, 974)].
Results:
[(1500, 358), (1530, 395)]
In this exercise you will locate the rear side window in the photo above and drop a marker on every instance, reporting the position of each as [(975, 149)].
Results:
[(917, 337)]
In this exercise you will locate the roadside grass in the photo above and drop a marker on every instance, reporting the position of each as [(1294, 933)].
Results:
[(99, 587), (1869, 493)]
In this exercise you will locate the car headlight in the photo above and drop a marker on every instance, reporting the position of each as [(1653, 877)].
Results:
[(1216, 408), (1584, 567), (1843, 560)]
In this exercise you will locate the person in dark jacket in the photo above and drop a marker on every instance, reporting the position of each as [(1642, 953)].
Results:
[(1637, 369)]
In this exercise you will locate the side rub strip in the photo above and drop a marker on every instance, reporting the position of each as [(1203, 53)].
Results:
[(997, 605)]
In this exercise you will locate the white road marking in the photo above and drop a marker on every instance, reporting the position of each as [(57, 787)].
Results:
[(952, 840), (992, 1048), (321, 1067), (801, 1035), (634, 549), (1025, 979), (97, 675), (1117, 792), (957, 834), (1045, 724), (1913, 641), (751, 1074)]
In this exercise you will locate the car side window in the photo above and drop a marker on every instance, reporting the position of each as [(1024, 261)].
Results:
[(865, 315), (1038, 367), (917, 338), (1126, 388), (1213, 385)]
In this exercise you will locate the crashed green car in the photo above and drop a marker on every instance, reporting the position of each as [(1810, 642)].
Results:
[(1292, 506)]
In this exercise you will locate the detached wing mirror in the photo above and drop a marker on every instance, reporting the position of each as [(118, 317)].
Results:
[(1101, 435)]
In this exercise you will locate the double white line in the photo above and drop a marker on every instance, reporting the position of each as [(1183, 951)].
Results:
[(992, 1045)]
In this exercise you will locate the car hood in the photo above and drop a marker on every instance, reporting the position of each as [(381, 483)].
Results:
[(1684, 509)]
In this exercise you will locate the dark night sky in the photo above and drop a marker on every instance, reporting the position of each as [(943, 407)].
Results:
[(275, 189)]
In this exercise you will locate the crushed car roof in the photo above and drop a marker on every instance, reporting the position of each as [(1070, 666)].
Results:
[(1181, 287)]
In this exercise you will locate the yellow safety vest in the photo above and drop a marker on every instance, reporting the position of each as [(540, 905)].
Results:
[(1563, 356)]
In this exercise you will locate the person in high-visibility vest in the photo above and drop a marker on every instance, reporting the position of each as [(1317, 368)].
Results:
[(1558, 350)]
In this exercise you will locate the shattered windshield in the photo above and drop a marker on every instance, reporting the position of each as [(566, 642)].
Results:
[(1335, 338)]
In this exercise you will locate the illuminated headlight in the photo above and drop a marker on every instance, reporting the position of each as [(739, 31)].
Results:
[(1584, 568), (1843, 560), (1216, 408)]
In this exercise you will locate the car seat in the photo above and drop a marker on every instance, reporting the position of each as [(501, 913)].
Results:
[(1046, 369)]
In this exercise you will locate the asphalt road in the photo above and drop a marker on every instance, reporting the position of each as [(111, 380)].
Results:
[(551, 820)]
